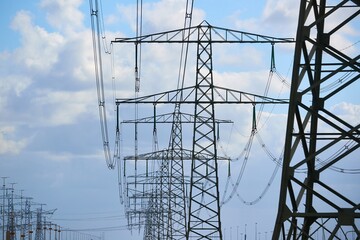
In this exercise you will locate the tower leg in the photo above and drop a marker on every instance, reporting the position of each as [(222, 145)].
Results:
[(311, 203)]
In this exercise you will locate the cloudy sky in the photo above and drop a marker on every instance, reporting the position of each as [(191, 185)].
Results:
[(50, 140)]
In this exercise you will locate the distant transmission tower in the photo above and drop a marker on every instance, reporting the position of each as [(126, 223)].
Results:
[(318, 142)]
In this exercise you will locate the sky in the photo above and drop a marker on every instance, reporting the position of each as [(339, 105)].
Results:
[(50, 139)]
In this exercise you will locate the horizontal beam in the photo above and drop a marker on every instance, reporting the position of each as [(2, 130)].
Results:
[(187, 96), (168, 118), (190, 35), (162, 154), (319, 215)]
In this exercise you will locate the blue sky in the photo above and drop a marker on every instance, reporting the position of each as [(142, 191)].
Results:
[(50, 142)]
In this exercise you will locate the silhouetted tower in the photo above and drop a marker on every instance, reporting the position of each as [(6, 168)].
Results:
[(39, 233), (11, 227), (318, 142), (27, 212)]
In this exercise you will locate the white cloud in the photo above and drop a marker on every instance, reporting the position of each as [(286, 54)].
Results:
[(54, 70), (54, 108), (348, 112), (279, 18), (111, 19), (12, 84), (39, 50), (239, 56), (47, 82), (7, 144), (161, 15), (64, 15), (60, 156), (76, 60), (278, 12), (254, 82)]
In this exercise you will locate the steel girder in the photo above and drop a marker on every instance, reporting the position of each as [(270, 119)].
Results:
[(317, 140)]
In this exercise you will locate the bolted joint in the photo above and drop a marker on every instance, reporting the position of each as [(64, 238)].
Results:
[(346, 217)]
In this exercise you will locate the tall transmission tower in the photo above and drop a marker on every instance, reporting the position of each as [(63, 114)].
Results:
[(204, 212), (204, 207), (318, 141)]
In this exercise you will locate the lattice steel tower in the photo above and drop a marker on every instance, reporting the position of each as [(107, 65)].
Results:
[(318, 142), (204, 211)]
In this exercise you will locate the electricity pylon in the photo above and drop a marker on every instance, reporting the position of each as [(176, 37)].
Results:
[(204, 211), (18, 215), (163, 192), (317, 140)]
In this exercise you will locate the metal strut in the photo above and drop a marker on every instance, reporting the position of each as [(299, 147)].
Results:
[(316, 138)]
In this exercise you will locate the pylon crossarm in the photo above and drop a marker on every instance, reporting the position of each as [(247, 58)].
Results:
[(190, 35), (185, 155), (223, 96), (168, 118)]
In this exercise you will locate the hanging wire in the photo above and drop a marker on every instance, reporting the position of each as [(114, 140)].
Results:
[(321, 163), (247, 150), (278, 161), (139, 13), (245, 157), (185, 45), (262, 194), (272, 71), (350, 46), (137, 79), (340, 81), (95, 26), (235, 185), (103, 31)]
